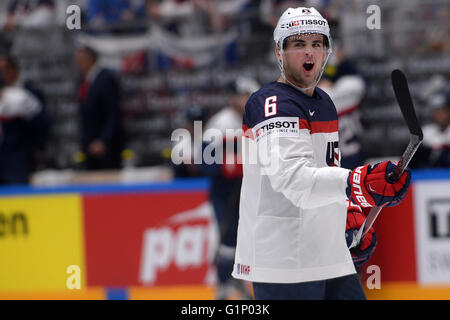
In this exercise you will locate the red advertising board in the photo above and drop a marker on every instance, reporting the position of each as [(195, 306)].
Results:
[(148, 239), (395, 252)]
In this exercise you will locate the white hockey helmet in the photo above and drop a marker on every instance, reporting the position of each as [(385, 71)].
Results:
[(246, 85), (301, 21), (298, 21)]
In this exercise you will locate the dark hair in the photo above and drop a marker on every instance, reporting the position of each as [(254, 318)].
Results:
[(11, 61), (2, 82), (90, 52)]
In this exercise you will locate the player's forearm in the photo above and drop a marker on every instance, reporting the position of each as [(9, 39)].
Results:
[(295, 174)]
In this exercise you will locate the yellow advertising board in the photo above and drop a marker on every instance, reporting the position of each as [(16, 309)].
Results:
[(40, 238)]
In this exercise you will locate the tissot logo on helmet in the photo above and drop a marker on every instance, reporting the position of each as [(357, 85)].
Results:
[(303, 23)]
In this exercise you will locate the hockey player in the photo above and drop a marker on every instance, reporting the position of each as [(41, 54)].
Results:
[(291, 234), (436, 135), (226, 179)]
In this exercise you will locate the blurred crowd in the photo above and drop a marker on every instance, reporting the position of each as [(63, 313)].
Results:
[(26, 123), (35, 13)]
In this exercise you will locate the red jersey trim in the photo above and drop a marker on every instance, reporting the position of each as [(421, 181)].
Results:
[(324, 126), (247, 132), (348, 111)]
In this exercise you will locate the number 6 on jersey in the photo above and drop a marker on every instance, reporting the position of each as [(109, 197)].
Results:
[(270, 107)]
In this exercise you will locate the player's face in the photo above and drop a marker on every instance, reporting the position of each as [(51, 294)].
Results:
[(441, 116), (303, 58), (9, 73)]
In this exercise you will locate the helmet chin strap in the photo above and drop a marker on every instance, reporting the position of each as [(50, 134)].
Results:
[(283, 75)]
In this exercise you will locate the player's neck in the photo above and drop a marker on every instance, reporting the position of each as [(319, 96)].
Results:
[(309, 91)]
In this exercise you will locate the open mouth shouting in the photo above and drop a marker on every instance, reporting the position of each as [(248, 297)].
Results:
[(308, 67)]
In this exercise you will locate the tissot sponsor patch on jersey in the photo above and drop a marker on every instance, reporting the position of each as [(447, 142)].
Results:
[(282, 127)]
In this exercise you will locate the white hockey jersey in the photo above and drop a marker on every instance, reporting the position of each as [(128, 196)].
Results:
[(293, 203)]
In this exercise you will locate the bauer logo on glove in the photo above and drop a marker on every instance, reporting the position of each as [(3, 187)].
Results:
[(369, 186)]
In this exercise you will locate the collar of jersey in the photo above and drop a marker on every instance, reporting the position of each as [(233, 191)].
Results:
[(316, 95)]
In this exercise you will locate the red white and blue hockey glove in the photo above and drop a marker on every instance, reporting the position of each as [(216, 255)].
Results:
[(362, 252), (368, 186)]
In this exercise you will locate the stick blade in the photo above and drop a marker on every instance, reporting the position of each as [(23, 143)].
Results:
[(401, 90)]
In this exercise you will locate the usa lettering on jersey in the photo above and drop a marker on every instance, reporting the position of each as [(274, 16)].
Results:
[(333, 155)]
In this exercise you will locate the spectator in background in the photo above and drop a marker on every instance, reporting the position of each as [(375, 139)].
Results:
[(11, 73), (10, 70), (168, 9), (346, 87), (186, 17), (232, 7), (23, 127), (270, 10), (237, 16), (106, 12), (30, 14), (435, 149), (226, 180), (192, 145), (100, 111)]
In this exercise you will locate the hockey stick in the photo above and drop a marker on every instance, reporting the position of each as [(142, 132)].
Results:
[(401, 90)]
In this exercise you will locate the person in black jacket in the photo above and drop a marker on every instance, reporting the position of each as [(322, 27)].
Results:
[(24, 124), (99, 101)]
